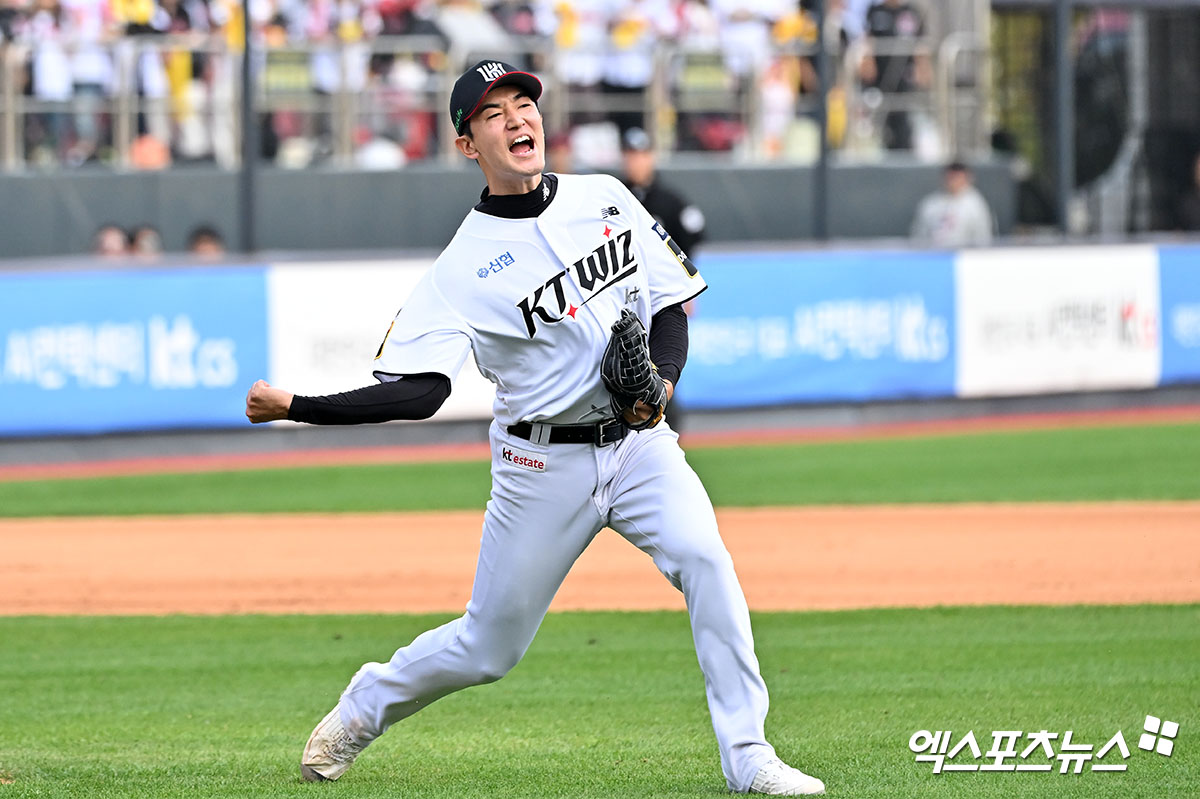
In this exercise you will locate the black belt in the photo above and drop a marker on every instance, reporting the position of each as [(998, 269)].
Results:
[(600, 433)]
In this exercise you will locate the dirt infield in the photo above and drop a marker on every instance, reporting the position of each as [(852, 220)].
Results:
[(788, 559)]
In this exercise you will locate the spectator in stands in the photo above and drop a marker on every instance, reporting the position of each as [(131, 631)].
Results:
[(854, 17), (789, 76), (145, 240), (636, 27), (745, 39), (206, 241), (1188, 208), (580, 32), (110, 241), (518, 17), (186, 69), (900, 65), (745, 31), (49, 133), (956, 216), (89, 26), (12, 18), (701, 76), (698, 28), (837, 38), (339, 60)]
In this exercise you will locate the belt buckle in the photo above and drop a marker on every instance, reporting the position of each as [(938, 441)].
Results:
[(612, 425)]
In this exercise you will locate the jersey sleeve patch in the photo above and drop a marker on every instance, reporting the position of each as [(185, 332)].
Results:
[(676, 250)]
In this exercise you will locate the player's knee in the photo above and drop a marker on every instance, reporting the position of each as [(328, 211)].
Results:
[(700, 563), (497, 664), (492, 655)]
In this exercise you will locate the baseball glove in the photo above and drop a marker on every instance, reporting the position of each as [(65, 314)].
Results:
[(629, 375)]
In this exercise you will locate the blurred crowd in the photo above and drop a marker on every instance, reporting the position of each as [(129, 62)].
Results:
[(177, 60), (113, 241)]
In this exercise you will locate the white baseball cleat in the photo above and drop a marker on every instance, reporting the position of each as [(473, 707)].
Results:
[(330, 749), (779, 779)]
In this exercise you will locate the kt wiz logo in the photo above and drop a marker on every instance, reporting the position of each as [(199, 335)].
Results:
[(610, 263)]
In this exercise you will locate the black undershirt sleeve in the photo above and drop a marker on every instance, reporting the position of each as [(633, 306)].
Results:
[(669, 342), (410, 397)]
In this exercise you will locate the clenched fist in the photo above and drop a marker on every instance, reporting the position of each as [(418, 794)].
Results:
[(267, 404)]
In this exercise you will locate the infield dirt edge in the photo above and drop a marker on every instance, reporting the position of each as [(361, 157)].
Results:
[(787, 558)]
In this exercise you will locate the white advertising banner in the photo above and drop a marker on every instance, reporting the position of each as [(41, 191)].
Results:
[(327, 320), (1045, 320)]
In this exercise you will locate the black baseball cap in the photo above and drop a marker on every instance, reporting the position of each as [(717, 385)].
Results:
[(472, 85)]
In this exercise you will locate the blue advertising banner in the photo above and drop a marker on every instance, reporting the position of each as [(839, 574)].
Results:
[(93, 351), (1179, 277), (786, 327)]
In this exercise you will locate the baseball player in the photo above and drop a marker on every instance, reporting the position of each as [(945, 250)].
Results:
[(552, 282)]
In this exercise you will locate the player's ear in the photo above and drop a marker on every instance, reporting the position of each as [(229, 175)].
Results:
[(466, 146)]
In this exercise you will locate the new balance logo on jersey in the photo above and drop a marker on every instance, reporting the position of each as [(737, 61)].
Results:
[(611, 210), (491, 71), (610, 263)]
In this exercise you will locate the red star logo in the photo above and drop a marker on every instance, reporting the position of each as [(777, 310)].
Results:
[(607, 231), (571, 313)]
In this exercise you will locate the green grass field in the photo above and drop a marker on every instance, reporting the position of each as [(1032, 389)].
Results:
[(604, 704), (612, 704), (1151, 462)]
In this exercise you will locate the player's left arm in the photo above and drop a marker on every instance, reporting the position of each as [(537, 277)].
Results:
[(668, 352)]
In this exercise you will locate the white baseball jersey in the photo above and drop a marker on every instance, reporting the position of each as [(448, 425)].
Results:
[(535, 300)]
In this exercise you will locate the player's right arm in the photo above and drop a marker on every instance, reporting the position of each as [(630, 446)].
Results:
[(423, 351), (408, 397)]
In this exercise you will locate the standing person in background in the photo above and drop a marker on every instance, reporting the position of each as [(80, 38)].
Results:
[(13, 14), (635, 29), (89, 26), (51, 82), (956, 216), (579, 29), (891, 26), (546, 273), (684, 221), (745, 31), (853, 17)]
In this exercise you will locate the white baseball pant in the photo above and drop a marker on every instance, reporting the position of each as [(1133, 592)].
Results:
[(536, 525)]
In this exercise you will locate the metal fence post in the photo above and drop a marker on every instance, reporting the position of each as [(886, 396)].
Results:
[(1064, 117), (246, 177)]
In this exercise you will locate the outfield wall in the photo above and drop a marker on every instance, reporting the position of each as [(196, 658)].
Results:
[(107, 349)]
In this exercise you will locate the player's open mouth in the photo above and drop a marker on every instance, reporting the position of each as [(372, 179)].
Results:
[(522, 146)]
